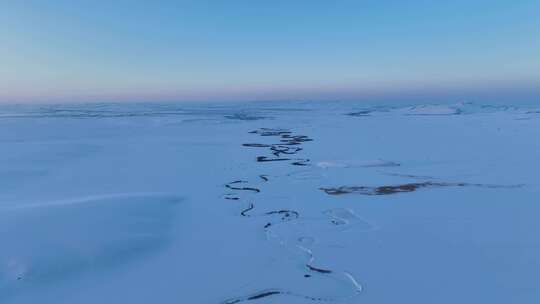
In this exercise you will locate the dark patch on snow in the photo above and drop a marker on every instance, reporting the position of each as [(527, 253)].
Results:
[(244, 116), (319, 270), (409, 187), (301, 162), (262, 159), (243, 213), (270, 132), (264, 294), (360, 113), (278, 150), (274, 292), (229, 185), (256, 296), (231, 197), (286, 215), (287, 139), (296, 139)]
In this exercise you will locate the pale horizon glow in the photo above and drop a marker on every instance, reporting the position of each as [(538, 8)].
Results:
[(59, 51)]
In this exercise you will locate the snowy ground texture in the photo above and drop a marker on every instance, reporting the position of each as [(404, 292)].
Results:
[(269, 203)]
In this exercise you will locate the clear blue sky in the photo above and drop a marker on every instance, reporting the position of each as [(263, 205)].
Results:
[(243, 50)]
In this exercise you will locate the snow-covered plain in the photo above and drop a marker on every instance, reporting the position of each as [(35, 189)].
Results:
[(269, 203)]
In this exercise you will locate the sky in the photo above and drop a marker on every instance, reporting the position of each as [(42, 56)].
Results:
[(80, 51)]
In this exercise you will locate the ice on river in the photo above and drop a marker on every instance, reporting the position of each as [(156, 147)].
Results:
[(269, 203)]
